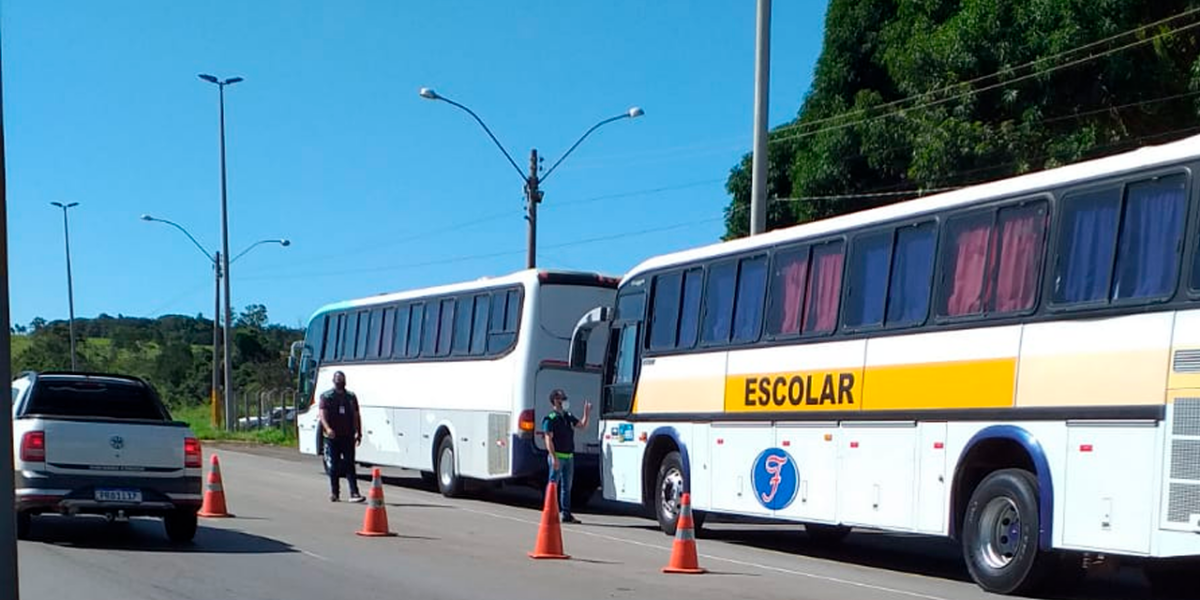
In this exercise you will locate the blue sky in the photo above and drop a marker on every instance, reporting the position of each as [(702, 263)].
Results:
[(330, 146)]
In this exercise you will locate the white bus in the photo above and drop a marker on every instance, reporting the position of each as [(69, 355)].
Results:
[(1015, 365), (454, 380)]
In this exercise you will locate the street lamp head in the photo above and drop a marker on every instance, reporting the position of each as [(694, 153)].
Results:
[(233, 80), (147, 218), (635, 112), (285, 243), (209, 78), (429, 94), (58, 204), (73, 204)]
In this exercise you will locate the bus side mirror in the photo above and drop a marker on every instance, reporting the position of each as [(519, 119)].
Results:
[(577, 360)]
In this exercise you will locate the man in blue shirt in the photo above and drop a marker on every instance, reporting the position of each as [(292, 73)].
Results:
[(559, 428)]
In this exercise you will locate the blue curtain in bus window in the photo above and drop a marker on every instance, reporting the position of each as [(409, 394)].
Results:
[(1151, 231), (718, 302), (912, 270), (689, 316), (1021, 230), (752, 290), (966, 261), (824, 288), (868, 279), (1087, 245)]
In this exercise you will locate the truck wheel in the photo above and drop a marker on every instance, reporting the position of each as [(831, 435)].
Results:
[(180, 525), (449, 483), (1000, 534), (24, 523)]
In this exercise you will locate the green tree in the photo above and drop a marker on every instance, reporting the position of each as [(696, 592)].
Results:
[(912, 96)]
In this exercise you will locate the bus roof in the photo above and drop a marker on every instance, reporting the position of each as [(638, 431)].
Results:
[(1141, 158), (527, 277)]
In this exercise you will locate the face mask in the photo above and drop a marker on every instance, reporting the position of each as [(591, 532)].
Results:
[(566, 405)]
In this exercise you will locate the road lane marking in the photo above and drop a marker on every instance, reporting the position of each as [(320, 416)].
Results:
[(742, 563)]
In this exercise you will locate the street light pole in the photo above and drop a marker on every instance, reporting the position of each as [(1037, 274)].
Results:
[(533, 192), (70, 286), (762, 78), (229, 393)]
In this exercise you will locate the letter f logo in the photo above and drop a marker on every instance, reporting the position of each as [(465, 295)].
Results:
[(774, 465)]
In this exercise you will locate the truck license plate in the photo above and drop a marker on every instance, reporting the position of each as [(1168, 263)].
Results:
[(109, 495)]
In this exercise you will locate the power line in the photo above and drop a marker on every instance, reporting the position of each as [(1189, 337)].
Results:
[(645, 192), (1005, 71), (941, 101)]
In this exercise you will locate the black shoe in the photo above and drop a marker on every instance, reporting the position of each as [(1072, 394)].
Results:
[(333, 497), (570, 519)]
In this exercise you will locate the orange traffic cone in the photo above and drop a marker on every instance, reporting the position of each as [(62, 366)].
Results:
[(375, 522), (683, 551), (549, 540), (214, 494)]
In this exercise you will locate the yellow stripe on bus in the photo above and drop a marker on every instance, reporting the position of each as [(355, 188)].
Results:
[(954, 385)]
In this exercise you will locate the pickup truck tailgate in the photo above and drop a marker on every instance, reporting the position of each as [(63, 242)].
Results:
[(95, 445)]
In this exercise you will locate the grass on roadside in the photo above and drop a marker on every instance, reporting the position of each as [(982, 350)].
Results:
[(199, 418)]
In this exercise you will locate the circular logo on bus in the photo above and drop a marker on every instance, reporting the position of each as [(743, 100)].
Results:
[(776, 479)]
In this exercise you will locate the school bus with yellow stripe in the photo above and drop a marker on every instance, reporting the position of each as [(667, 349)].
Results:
[(1014, 364)]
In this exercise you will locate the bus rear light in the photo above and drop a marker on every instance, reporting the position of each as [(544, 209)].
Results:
[(33, 446), (191, 453), (525, 421)]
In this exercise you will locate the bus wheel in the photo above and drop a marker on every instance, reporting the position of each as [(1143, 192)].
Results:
[(449, 483), (1000, 533), (668, 490)]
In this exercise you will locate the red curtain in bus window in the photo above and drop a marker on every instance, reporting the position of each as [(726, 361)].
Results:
[(1021, 233), (793, 277), (825, 290), (970, 258)]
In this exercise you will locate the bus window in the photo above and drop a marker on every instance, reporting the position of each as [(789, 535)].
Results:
[(689, 313), (664, 314), (788, 279), (366, 323), (429, 333), (1086, 246), (965, 259), (1013, 273), (350, 338), (387, 331), (1151, 236), (479, 325), (718, 303), (748, 305), (463, 315), (414, 329), (824, 287), (912, 272), (445, 327), (870, 257), (400, 327)]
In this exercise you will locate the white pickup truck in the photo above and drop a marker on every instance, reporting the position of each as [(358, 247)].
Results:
[(102, 445)]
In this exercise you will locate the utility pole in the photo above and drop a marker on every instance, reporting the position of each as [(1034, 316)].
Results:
[(70, 287), (533, 196), (217, 413), (10, 588), (762, 77)]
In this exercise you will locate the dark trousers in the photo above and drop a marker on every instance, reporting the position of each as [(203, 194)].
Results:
[(340, 453)]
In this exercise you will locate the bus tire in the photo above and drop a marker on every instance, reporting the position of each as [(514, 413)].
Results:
[(450, 484), (668, 488), (1000, 534)]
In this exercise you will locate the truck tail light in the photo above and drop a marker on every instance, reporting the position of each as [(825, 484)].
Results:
[(525, 421), (191, 453), (33, 446)]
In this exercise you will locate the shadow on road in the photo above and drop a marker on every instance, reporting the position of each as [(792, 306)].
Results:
[(146, 535)]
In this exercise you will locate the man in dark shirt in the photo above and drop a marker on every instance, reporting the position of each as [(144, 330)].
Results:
[(342, 426), (559, 428)]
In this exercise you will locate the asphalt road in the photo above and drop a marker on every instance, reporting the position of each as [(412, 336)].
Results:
[(288, 541)]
